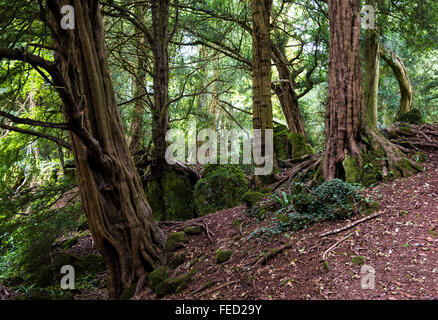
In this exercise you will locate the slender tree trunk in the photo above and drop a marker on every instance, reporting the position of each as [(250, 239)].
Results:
[(399, 69), (111, 192), (261, 68), (372, 58), (286, 94), (350, 138), (160, 49), (139, 88)]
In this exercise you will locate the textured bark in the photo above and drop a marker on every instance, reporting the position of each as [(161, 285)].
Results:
[(371, 86), (345, 103), (160, 50), (286, 93), (139, 89), (261, 67), (399, 69), (111, 192)]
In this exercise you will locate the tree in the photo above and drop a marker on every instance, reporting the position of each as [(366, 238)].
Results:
[(111, 192), (261, 68), (351, 140)]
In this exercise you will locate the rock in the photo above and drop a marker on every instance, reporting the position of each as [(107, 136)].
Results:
[(223, 256), (175, 241), (193, 230)]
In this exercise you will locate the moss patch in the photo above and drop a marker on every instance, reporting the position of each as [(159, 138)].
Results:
[(353, 173), (157, 276), (299, 146), (223, 256), (174, 285), (252, 197), (193, 230), (175, 241)]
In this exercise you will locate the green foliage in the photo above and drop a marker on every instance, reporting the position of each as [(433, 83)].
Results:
[(332, 200), (221, 187)]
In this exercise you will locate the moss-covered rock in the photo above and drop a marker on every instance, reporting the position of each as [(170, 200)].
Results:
[(282, 145), (412, 117), (173, 285), (175, 259), (171, 198), (299, 146), (223, 256), (177, 196), (359, 260), (221, 187), (175, 241), (157, 276), (252, 197), (193, 230)]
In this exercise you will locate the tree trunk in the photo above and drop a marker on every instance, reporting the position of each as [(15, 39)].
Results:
[(139, 89), (399, 69), (350, 139), (160, 47), (372, 58), (286, 94), (111, 192), (261, 68)]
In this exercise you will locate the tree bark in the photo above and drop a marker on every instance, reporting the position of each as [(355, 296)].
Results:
[(111, 192), (372, 57), (286, 94), (349, 135), (399, 69), (261, 68), (345, 103)]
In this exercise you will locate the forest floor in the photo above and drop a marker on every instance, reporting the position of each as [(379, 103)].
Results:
[(401, 245)]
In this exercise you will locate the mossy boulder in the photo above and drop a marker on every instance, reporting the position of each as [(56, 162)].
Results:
[(171, 198), (157, 276), (221, 187), (175, 259), (282, 144), (173, 285), (414, 116), (252, 197), (299, 146), (223, 256), (175, 241), (193, 230)]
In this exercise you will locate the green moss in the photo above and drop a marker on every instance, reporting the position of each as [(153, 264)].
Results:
[(282, 145), (153, 194), (157, 276), (223, 255), (128, 293), (177, 196), (359, 260), (300, 147), (353, 173), (174, 285), (221, 187), (252, 197), (414, 116), (420, 157), (175, 241), (193, 230)]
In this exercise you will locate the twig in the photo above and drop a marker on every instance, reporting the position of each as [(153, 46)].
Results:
[(220, 287), (351, 225), (324, 255)]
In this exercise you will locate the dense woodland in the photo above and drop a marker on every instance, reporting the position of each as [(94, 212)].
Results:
[(89, 89)]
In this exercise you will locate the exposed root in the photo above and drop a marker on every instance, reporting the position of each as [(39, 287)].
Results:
[(305, 164), (181, 225), (273, 253)]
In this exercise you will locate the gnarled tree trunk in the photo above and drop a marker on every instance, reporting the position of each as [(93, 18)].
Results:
[(399, 69), (112, 195), (286, 94)]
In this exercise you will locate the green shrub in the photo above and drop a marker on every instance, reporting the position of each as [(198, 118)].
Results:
[(221, 187)]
